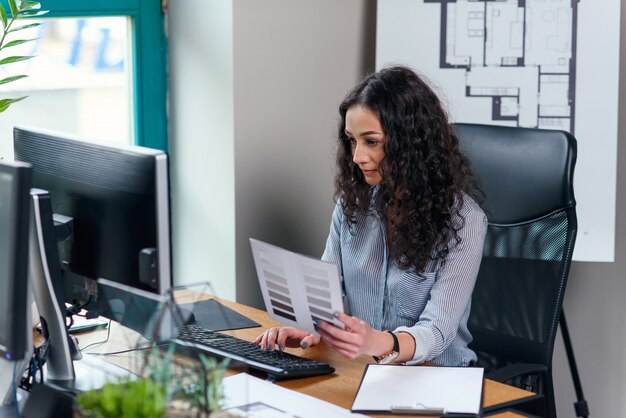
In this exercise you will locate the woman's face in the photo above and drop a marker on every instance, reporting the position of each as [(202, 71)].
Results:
[(367, 140)]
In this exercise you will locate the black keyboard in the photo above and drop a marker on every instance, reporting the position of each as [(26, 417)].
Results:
[(277, 364)]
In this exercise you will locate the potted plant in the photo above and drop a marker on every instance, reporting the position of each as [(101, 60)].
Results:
[(139, 398), (188, 390)]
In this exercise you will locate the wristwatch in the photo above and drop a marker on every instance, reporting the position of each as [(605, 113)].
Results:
[(391, 356)]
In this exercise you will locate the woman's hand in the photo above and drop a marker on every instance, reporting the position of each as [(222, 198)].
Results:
[(358, 338), (286, 337)]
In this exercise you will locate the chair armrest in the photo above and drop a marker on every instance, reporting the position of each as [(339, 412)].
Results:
[(515, 370)]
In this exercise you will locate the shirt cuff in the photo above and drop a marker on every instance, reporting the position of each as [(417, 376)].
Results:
[(425, 343)]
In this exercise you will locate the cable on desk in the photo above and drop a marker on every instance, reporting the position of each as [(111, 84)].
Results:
[(31, 373), (17, 408), (75, 309), (99, 342), (35, 365), (112, 353)]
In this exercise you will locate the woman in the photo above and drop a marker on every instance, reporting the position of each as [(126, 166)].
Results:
[(405, 233)]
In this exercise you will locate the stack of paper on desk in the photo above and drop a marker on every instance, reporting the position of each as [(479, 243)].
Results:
[(297, 289), (255, 398), (421, 389)]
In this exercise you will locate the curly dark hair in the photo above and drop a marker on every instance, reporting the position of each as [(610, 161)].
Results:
[(424, 174)]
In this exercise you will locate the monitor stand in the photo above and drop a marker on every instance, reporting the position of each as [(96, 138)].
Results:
[(61, 371)]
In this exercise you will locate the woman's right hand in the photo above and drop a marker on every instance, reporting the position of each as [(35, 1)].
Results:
[(281, 337)]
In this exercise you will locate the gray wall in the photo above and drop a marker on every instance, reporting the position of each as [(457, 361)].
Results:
[(294, 62), (254, 91)]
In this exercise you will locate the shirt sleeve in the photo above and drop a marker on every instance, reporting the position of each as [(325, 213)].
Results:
[(332, 252), (451, 292)]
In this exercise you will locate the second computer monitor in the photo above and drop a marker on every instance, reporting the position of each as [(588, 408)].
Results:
[(111, 207), (14, 224)]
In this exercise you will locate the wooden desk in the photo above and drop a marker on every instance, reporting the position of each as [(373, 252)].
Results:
[(339, 388)]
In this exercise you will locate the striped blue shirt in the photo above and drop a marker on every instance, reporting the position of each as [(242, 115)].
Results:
[(433, 306)]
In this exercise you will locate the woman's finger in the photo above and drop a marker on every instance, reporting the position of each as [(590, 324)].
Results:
[(310, 340), (351, 322), (288, 336), (339, 344), (338, 333)]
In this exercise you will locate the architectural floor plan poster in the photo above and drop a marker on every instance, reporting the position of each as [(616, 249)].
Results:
[(550, 64)]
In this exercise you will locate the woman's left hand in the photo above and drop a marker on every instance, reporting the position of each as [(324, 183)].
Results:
[(358, 338)]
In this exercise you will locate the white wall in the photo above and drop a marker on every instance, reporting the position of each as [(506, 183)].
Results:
[(202, 143), (269, 174)]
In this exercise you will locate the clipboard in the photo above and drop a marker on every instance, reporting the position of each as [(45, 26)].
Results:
[(420, 390)]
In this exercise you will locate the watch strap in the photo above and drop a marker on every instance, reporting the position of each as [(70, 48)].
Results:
[(394, 352), (396, 343)]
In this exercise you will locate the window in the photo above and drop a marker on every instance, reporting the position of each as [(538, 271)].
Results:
[(99, 72)]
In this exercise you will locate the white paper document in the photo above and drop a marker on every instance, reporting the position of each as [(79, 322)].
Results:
[(297, 289), (400, 389), (251, 397)]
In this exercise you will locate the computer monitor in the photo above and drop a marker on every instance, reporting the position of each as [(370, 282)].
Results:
[(110, 203), (99, 210), (15, 338), (15, 181)]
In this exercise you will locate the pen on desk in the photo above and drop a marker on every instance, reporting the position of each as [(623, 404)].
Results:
[(416, 409)]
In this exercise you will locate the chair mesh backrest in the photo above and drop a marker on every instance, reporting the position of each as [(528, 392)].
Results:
[(526, 266)]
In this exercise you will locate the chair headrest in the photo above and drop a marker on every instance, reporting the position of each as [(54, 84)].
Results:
[(525, 173)]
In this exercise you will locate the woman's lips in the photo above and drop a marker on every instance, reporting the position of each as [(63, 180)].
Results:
[(369, 172)]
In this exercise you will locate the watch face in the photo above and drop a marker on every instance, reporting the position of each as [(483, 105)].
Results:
[(390, 358)]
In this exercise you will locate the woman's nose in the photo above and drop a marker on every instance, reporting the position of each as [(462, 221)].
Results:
[(359, 156)]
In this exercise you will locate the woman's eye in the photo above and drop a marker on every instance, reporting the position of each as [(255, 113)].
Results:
[(372, 143), (352, 141)]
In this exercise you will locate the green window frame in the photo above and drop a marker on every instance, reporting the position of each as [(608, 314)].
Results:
[(148, 57)]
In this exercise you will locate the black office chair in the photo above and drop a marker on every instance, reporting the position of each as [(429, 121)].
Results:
[(527, 179)]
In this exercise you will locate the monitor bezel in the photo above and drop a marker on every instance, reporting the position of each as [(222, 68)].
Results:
[(14, 347)]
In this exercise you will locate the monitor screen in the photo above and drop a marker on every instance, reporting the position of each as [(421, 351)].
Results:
[(14, 222), (111, 209)]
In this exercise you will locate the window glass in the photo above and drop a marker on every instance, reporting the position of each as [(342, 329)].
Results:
[(79, 81)]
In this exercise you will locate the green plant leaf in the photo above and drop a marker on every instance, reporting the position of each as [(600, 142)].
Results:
[(29, 5), (3, 16), (30, 25), (13, 7), (33, 13), (16, 42), (5, 103), (12, 78), (9, 60), (19, 10)]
